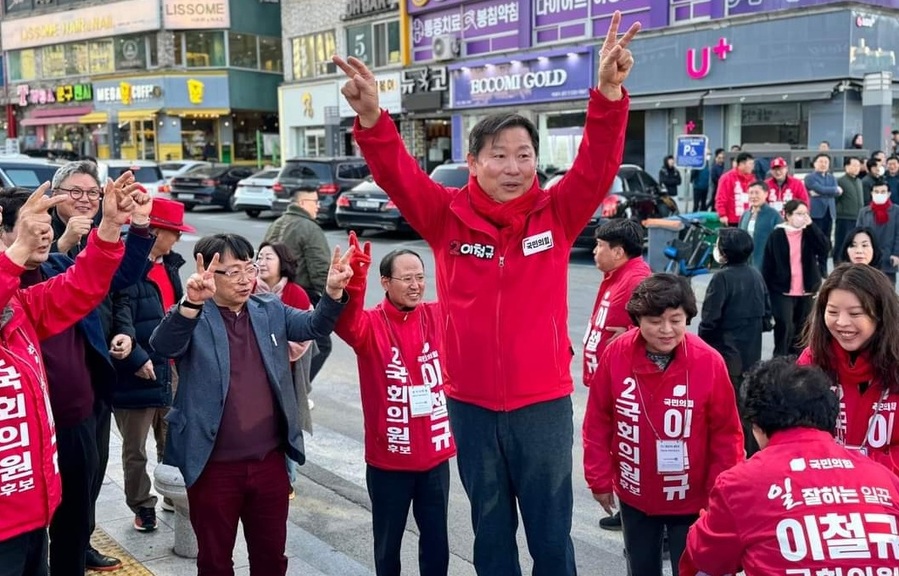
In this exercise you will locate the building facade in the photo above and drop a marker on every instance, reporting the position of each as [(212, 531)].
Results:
[(792, 72), (145, 79)]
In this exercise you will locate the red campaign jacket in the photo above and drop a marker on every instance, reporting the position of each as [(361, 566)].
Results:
[(30, 487), (631, 401), (862, 423), (396, 350), (505, 349), (731, 197), (792, 189), (802, 504), (609, 310)]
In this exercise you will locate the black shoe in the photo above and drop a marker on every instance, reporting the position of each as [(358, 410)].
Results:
[(611, 522), (95, 560), (145, 520)]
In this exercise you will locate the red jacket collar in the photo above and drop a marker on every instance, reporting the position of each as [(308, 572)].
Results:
[(394, 314), (461, 205), (799, 436)]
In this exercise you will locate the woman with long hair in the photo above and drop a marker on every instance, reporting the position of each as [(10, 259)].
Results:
[(790, 269), (861, 247), (277, 267), (853, 335)]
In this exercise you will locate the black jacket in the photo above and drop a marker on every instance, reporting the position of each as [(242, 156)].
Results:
[(776, 262), (735, 312), (670, 177), (139, 310)]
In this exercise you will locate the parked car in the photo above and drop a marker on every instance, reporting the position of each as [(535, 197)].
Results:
[(209, 186), (25, 171), (329, 176), (634, 194), (52, 155), (256, 193), (173, 168), (367, 207), (455, 175), (146, 172)]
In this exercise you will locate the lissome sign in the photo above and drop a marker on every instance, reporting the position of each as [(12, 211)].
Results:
[(194, 14)]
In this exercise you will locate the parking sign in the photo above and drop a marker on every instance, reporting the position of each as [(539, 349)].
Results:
[(691, 149)]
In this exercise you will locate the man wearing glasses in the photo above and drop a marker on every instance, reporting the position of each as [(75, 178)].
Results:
[(72, 220), (235, 414), (298, 230)]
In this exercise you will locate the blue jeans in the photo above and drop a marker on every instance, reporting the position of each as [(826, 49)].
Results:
[(518, 460)]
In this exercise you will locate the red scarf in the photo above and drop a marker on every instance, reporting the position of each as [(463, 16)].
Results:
[(881, 211), (509, 217), (848, 373)]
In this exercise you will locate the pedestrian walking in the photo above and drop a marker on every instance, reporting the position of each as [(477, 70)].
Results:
[(759, 221)]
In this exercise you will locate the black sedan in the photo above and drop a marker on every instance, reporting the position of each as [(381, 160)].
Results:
[(209, 186), (634, 194), (367, 207)]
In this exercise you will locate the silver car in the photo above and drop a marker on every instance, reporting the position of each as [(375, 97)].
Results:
[(255, 194)]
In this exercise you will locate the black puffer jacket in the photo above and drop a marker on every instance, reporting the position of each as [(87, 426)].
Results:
[(140, 309)]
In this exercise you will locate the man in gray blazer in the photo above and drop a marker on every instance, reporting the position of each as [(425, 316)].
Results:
[(235, 414)]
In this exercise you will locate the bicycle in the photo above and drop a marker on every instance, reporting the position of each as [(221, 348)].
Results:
[(690, 254)]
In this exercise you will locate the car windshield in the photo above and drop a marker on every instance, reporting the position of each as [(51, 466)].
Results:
[(307, 171), (452, 176), (142, 174), (29, 176), (198, 168)]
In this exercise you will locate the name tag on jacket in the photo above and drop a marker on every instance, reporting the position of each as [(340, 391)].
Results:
[(537, 243)]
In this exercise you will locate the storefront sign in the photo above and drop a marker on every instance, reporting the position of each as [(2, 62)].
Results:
[(423, 80), (416, 6), (698, 70), (126, 93), (118, 18), (540, 78), (304, 105), (560, 19), (467, 23), (808, 48), (389, 95), (195, 14), (736, 7), (361, 8), (62, 94)]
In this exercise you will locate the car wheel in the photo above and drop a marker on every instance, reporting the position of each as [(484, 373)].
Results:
[(253, 213), (188, 207), (231, 204)]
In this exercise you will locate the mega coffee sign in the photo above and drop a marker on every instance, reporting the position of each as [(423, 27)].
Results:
[(361, 8), (537, 78)]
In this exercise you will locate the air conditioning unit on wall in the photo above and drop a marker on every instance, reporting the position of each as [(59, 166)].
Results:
[(446, 47)]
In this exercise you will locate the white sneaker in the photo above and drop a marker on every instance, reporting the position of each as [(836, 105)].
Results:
[(311, 403)]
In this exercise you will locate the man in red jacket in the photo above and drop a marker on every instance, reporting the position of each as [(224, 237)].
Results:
[(29, 472), (619, 256), (782, 187), (732, 198), (661, 424), (408, 443), (497, 242), (804, 505)]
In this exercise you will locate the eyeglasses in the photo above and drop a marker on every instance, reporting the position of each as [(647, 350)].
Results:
[(409, 280), (249, 273), (77, 193)]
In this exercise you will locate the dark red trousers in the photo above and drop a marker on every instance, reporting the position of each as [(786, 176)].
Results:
[(253, 492)]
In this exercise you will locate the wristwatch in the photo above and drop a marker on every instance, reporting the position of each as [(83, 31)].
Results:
[(190, 305)]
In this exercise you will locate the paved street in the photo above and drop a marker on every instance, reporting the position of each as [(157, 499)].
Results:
[(330, 529)]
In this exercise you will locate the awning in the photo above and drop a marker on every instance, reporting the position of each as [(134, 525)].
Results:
[(48, 120), (137, 114), (198, 112), (94, 118), (771, 94), (665, 101), (61, 111)]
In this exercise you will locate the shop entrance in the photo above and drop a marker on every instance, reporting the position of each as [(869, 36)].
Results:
[(200, 138)]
